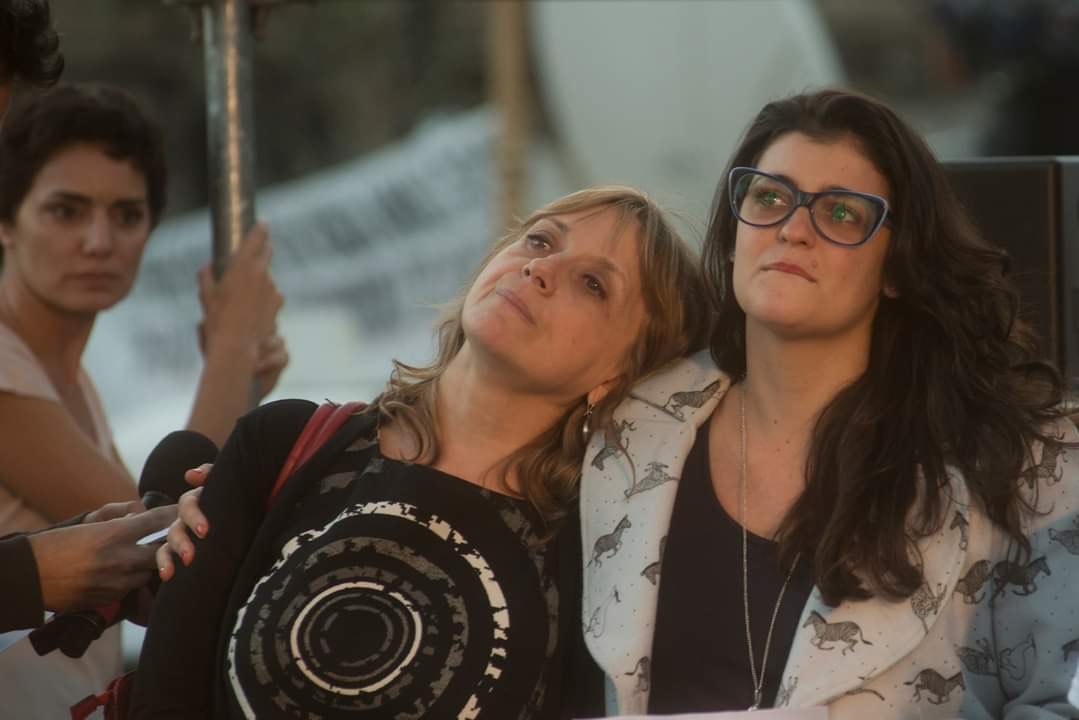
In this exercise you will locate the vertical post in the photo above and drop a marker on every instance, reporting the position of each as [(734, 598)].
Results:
[(227, 42), (227, 45), (508, 81)]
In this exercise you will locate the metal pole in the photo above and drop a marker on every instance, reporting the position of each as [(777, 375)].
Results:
[(507, 67), (230, 117), (227, 42)]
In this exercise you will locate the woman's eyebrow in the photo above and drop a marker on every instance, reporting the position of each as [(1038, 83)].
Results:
[(68, 196), (74, 197), (608, 267), (563, 228), (136, 202), (828, 188)]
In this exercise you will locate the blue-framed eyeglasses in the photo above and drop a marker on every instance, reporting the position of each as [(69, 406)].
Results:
[(844, 217)]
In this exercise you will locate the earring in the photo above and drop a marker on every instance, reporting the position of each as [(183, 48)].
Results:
[(584, 426)]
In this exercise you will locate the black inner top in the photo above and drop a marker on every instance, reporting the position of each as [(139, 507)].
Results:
[(700, 662)]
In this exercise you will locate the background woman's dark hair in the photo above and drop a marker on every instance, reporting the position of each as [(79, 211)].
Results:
[(952, 379), (35, 130), (29, 46)]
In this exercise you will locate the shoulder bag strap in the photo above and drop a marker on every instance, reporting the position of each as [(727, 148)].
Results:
[(321, 426)]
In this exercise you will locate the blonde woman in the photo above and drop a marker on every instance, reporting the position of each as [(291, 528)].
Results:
[(414, 567)]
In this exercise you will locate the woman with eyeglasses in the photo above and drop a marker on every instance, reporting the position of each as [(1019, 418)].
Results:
[(865, 495)]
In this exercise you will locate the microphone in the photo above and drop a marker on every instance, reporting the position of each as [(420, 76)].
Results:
[(161, 483), (162, 480)]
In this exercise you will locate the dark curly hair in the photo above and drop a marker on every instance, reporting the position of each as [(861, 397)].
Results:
[(29, 46), (953, 378)]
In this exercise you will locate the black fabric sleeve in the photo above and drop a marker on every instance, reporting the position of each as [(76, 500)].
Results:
[(22, 605), (22, 602), (176, 672)]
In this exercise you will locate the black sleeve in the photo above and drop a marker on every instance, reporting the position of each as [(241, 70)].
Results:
[(176, 672), (22, 605)]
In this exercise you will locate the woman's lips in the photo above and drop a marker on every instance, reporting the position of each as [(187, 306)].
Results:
[(791, 269), (511, 297), (96, 278)]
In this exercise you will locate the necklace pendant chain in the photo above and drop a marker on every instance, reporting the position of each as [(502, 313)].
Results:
[(758, 681)]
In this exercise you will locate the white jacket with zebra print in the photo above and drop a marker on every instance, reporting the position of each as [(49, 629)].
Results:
[(984, 638)]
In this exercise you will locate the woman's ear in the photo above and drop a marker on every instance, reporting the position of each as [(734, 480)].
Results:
[(5, 236), (7, 245), (600, 391)]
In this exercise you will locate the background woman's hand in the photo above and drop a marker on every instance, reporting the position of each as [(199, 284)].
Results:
[(243, 354), (272, 361), (240, 311)]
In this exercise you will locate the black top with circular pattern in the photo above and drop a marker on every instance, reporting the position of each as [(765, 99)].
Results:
[(371, 589)]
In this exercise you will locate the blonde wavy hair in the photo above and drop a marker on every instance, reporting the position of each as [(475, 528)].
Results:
[(548, 468)]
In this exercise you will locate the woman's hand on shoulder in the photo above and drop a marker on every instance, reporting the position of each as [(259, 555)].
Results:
[(189, 517)]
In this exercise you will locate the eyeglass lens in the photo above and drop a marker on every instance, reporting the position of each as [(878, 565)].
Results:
[(842, 217)]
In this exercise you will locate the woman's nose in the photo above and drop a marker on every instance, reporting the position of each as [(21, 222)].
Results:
[(799, 227), (540, 272), (98, 236)]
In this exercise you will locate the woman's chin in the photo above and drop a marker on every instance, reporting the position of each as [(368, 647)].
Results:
[(778, 316)]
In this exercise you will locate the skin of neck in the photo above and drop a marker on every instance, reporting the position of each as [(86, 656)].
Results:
[(485, 413), (789, 382), (57, 338)]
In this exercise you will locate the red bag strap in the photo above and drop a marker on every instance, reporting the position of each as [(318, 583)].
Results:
[(326, 420), (116, 700)]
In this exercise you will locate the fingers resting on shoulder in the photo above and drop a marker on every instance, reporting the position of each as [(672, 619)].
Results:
[(178, 541)]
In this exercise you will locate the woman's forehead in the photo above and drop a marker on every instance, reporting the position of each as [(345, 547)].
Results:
[(818, 164), (89, 168), (610, 232)]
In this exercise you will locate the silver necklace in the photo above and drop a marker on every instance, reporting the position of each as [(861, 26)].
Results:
[(758, 682)]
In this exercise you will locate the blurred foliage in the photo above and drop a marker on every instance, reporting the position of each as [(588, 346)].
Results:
[(333, 79)]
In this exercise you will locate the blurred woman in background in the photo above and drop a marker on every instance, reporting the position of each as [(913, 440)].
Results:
[(82, 185)]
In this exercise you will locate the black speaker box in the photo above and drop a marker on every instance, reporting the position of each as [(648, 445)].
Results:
[(1030, 207)]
